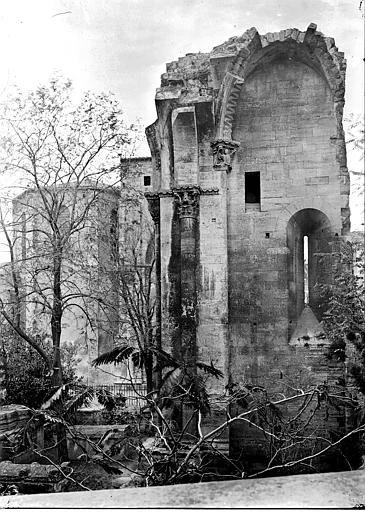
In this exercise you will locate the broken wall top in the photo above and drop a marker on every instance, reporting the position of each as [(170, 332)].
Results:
[(199, 76)]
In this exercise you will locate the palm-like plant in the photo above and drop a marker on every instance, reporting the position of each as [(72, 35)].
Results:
[(178, 379)]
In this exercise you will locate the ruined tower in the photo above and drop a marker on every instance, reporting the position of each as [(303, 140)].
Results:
[(249, 166)]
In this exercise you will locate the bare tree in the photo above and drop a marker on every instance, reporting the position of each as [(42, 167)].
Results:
[(289, 429), (61, 163)]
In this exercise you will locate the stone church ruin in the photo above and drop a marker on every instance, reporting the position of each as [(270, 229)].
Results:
[(247, 190), (249, 181)]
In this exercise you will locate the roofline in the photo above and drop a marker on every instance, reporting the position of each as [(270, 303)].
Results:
[(105, 188), (136, 159)]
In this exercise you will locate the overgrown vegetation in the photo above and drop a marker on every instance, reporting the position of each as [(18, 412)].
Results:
[(154, 451), (65, 160), (25, 376), (344, 321), (59, 152)]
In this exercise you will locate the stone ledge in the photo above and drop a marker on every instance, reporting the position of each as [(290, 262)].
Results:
[(13, 416), (326, 490)]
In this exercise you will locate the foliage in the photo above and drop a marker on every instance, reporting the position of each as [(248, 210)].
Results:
[(8, 490), (65, 159), (344, 320), (355, 133), (70, 360), (287, 427), (137, 298), (26, 377), (178, 382)]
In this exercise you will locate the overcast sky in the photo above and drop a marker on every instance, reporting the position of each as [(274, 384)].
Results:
[(123, 45)]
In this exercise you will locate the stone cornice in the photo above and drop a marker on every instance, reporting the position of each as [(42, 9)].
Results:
[(186, 197), (173, 190)]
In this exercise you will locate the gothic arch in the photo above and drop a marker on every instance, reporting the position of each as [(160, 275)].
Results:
[(310, 47)]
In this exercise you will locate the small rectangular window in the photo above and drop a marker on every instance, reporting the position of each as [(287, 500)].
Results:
[(252, 187), (252, 191), (147, 181)]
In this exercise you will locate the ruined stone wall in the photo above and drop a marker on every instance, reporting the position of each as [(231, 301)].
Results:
[(269, 104), (284, 123)]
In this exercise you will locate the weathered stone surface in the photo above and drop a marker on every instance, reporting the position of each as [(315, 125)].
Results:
[(33, 476), (331, 490), (13, 416), (269, 105)]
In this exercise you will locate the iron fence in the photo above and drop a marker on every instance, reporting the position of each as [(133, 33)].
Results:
[(133, 393)]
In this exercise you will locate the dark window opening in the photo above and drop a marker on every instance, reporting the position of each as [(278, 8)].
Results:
[(252, 187), (146, 181), (267, 235), (305, 270)]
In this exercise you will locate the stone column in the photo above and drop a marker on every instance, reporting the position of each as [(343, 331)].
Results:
[(219, 342), (154, 208), (187, 200), (223, 152)]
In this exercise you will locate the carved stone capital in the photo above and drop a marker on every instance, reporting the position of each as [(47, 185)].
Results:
[(154, 206), (187, 199), (223, 151)]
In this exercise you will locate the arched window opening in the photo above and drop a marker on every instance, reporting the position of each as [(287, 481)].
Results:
[(306, 276), (309, 262)]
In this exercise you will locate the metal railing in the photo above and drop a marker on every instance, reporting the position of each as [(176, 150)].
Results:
[(133, 393)]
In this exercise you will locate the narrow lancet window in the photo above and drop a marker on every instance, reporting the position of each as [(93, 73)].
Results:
[(306, 276)]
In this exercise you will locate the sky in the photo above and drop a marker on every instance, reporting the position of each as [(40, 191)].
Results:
[(122, 46)]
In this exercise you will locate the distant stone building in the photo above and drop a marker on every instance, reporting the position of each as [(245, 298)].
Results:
[(249, 168), (114, 219), (88, 268)]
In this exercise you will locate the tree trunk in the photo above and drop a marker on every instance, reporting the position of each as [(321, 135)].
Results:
[(56, 316), (56, 319), (149, 371)]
